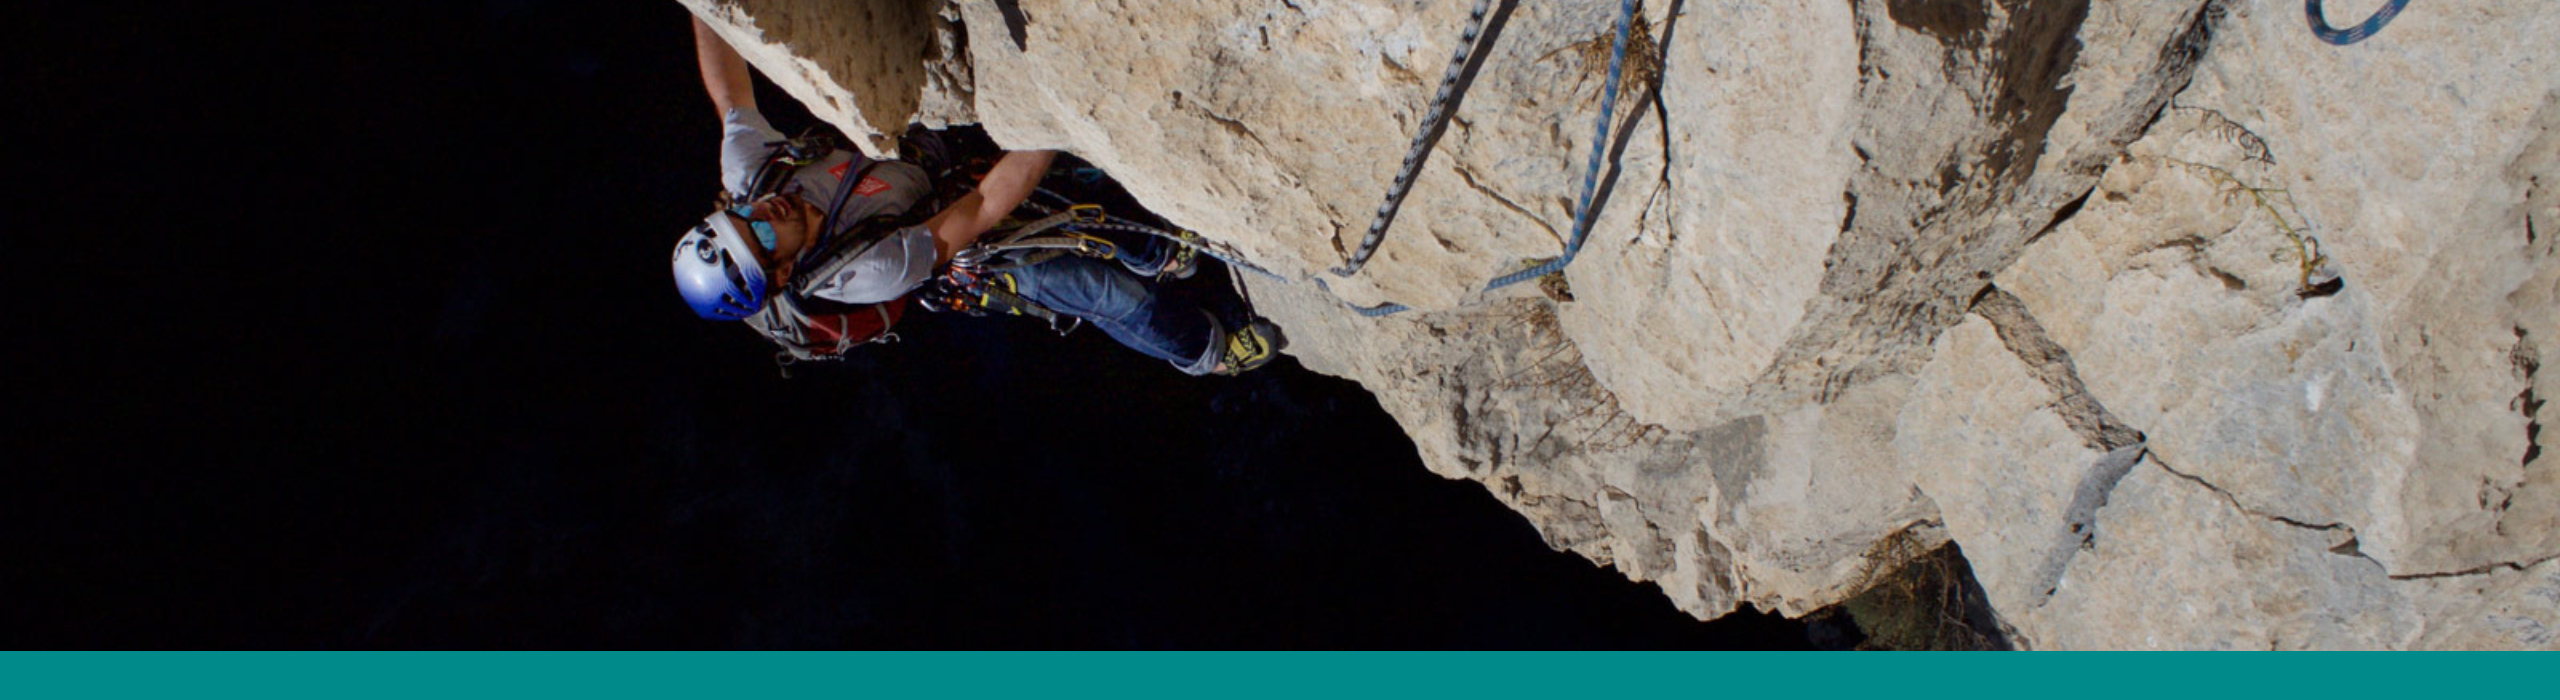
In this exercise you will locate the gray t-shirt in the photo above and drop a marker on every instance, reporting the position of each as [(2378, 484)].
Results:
[(896, 265)]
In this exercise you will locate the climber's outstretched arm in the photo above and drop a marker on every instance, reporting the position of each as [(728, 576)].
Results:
[(1006, 185), (724, 72)]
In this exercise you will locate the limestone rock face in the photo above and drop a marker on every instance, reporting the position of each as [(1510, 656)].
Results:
[(2192, 330), (869, 67)]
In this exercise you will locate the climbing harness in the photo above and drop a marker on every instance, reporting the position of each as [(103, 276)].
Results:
[(2320, 23), (1590, 176), (980, 280), (968, 287), (1434, 121)]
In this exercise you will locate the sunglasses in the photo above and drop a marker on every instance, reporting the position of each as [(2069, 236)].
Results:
[(764, 231)]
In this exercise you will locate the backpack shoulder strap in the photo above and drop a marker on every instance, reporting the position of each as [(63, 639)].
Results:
[(783, 157)]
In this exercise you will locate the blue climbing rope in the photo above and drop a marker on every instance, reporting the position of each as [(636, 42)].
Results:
[(1590, 175), (1609, 102), (1434, 120), (2320, 23), (1376, 311)]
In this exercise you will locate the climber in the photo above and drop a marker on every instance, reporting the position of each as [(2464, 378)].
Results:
[(818, 267)]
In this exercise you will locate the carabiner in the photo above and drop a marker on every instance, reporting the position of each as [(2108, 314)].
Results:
[(1092, 247)]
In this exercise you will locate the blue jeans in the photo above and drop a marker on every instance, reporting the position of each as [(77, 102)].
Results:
[(1168, 323)]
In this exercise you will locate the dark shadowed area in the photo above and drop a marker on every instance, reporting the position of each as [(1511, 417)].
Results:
[(351, 328)]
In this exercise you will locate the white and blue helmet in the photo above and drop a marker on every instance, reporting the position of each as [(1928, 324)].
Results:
[(717, 270)]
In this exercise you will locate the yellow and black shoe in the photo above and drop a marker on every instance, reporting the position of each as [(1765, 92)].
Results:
[(1184, 260), (1250, 348)]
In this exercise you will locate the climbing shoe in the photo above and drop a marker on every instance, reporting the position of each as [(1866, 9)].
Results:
[(1250, 348), (1184, 260)]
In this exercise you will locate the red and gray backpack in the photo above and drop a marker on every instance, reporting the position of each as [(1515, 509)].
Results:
[(809, 328)]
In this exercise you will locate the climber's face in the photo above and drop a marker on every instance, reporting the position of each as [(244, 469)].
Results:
[(794, 223)]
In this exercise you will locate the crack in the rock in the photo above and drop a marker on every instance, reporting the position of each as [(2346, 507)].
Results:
[(1898, 278), (2098, 427), (2528, 363), (2052, 365), (2489, 568), (2180, 55), (1266, 152), (2194, 246), (1848, 212), (2193, 243), (2244, 508), (2064, 214), (2350, 547), (1662, 116), (1575, 525), (1470, 177), (1671, 227), (1233, 125), (2324, 289)]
